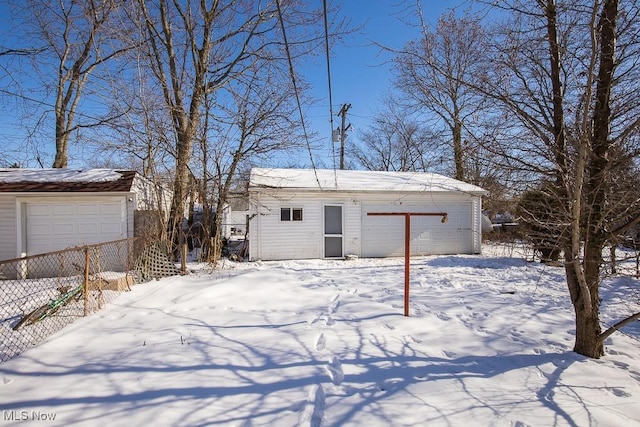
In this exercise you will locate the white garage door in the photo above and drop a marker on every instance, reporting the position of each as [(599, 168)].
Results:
[(383, 236), (52, 226)]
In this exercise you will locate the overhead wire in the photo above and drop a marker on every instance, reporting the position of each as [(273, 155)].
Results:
[(326, 43), (296, 91), (48, 104)]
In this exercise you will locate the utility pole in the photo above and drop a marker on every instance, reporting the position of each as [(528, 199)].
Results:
[(343, 131)]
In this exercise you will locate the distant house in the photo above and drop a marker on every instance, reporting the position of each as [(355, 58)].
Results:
[(304, 213), (44, 210), (234, 223)]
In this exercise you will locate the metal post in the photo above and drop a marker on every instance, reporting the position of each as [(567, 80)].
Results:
[(407, 257), (407, 244)]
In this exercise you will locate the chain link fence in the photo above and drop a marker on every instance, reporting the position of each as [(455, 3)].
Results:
[(41, 294)]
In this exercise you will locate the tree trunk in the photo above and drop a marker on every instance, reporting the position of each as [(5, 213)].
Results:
[(586, 299), (587, 313), (588, 341), (62, 143), (457, 150), (180, 193), (588, 330)]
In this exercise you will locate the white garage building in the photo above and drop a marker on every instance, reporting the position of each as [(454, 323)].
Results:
[(44, 210), (306, 213)]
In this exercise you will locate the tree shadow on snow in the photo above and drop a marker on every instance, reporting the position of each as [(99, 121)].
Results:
[(234, 376), (370, 374)]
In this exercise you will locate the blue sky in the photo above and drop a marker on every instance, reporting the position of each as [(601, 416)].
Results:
[(359, 70)]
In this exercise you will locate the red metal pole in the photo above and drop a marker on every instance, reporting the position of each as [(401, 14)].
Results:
[(407, 244), (407, 257)]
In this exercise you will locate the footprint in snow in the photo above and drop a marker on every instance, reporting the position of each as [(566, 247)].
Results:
[(314, 407), (408, 339), (618, 392), (334, 307), (635, 375), (621, 365), (313, 319), (449, 354), (442, 316), (334, 369), (321, 342), (389, 384)]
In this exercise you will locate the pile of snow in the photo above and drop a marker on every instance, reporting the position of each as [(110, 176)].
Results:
[(324, 343)]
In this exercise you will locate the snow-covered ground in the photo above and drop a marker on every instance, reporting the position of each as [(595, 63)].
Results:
[(324, 343)]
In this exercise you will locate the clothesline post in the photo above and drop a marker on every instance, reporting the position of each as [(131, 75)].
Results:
[(407, 244)]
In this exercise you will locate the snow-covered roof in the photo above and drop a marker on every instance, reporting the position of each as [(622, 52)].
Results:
[(354, 180), (65, 180), (58, 175)]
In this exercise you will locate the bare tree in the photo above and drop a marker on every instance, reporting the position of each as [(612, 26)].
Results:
[(557, 73), (432, 72), (397, 142), (196, 48), (142, 136), (71, 40), (78, 34), (255, 119)]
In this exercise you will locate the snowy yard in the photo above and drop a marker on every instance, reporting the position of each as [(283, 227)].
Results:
[(324, 343)]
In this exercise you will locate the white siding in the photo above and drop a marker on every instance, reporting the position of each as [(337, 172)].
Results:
[(271, 239), (8, 233), (384, 235), (149, 196), (236, 220), (477, 225), (286, 240), (352, 231)]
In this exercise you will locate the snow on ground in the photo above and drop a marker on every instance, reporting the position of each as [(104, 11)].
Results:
[(324, 343)]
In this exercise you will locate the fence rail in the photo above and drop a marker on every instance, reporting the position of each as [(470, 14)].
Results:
[(41, 294)]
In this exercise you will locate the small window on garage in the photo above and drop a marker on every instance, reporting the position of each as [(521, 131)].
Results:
[(290, 214)]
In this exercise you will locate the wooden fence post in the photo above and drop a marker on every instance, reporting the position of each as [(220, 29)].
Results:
[(183, 259)]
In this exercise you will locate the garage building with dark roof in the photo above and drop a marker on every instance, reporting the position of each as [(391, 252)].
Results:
[(44, 210)]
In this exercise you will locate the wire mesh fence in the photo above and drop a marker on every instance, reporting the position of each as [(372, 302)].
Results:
[(41, 294)]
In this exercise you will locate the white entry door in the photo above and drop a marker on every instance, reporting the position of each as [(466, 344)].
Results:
[(333, 231)]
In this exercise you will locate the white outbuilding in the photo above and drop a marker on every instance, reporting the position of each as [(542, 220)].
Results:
[(44, 210), (323, 213)]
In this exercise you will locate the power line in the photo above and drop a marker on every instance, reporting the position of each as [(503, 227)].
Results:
[(326, 43), (295, 89), (47, 104)]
